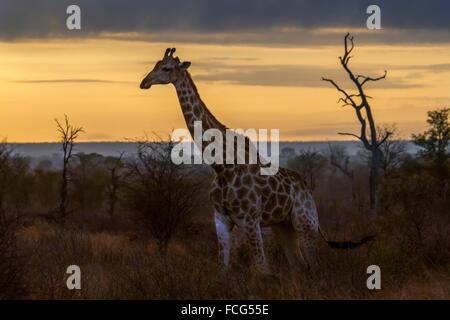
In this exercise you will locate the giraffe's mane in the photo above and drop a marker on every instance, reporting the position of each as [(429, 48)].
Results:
[(191, 82)]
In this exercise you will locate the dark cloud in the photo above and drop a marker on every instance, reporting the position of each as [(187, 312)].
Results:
[(242, 20)]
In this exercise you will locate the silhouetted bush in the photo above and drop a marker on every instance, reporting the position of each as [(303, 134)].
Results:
[(308, 164), (88, 181), (12, 262), (163, 193)]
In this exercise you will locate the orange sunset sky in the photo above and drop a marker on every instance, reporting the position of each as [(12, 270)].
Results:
[(256, 77)]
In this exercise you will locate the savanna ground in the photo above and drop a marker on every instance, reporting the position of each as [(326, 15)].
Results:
[(111, 235)]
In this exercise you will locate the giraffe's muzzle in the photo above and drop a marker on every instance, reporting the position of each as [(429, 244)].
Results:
[(145, 84)]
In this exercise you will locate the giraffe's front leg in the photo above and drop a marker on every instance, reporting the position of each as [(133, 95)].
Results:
[(254, 236), (223, 229)]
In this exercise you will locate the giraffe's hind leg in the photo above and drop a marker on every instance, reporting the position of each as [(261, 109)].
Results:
[(289, 241)]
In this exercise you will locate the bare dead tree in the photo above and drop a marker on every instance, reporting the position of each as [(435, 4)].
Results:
[(338, 157), (68, 134), (359, 102), (114, 166)]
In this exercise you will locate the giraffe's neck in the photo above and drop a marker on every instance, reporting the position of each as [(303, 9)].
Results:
[(193, 107), (195, 110)]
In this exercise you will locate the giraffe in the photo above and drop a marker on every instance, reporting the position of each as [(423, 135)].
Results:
[(240, 195)]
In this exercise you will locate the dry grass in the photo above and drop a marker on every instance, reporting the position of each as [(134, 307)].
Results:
[(126, 264)]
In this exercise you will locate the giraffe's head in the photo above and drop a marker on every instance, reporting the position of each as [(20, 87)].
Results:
[(167, 70)]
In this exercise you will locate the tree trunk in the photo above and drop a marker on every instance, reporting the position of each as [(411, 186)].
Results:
[(112, 202), (113, 193), (373, 181), (352, 186), (63, 193)]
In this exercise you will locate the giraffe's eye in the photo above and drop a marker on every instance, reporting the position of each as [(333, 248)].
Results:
[(166, 69)]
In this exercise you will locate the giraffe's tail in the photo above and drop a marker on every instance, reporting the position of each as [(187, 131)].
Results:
[(345, 244)]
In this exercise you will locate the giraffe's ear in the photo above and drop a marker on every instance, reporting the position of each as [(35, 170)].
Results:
[(184, 65)]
